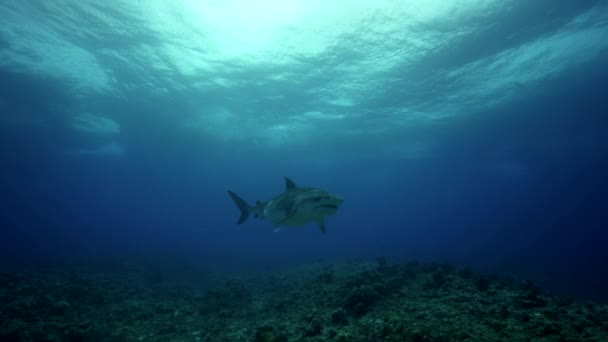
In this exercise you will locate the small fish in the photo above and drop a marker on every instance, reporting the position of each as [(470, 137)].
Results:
[(295, 207)]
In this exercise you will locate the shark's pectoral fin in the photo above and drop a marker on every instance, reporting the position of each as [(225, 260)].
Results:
[(321, 223), (288, 216)]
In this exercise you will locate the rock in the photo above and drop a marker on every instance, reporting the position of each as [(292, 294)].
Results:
[(326, 277), (465, 273), (61, 308), (530, 301), (267, 333), (482, 284), (338, 317), (10, 336), (360, 300), (314, 328)]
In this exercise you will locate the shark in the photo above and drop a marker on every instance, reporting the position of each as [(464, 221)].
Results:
[(296, 206)]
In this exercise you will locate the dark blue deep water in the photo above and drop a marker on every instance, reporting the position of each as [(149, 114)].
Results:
[(472, 132)]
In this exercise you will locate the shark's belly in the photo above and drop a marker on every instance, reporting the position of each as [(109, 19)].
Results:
[(282, 218), (297, 220), (282, 214)]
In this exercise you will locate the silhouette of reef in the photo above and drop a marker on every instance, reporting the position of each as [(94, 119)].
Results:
[(356, 301)]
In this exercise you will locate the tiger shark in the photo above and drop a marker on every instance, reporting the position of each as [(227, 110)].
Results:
[(295, 207)]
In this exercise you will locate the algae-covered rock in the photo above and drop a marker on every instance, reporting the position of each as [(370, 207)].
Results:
[(314, 327), (267, 333), (338, 317), (530, 300), (232, 294), (327, 276), (360, 300), (61, 307), (354, 302), (10, 335)]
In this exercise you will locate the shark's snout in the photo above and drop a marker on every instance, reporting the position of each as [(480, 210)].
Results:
[(336, 200), (329, 202)]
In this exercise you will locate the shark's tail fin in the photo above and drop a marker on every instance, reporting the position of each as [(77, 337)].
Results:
[(243, 206)]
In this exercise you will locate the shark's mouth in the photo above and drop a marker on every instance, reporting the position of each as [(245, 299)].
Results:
[(332, 206)]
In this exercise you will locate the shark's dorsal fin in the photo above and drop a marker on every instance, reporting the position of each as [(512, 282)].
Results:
[(289, 184)]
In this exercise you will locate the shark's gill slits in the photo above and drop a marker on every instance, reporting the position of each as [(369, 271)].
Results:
[(333, 206), (320, 198)]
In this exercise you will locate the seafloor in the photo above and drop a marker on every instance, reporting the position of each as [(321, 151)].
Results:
[(346, 301)]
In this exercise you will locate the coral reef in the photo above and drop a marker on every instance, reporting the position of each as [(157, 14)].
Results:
[(358, 301)]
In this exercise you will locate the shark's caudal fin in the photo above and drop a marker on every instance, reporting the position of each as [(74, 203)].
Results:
[(243, 206)]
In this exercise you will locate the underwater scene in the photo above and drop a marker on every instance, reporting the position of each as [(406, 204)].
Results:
[(304, 170)]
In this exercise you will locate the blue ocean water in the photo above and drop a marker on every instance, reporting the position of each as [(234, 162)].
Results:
[(472, 132)]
